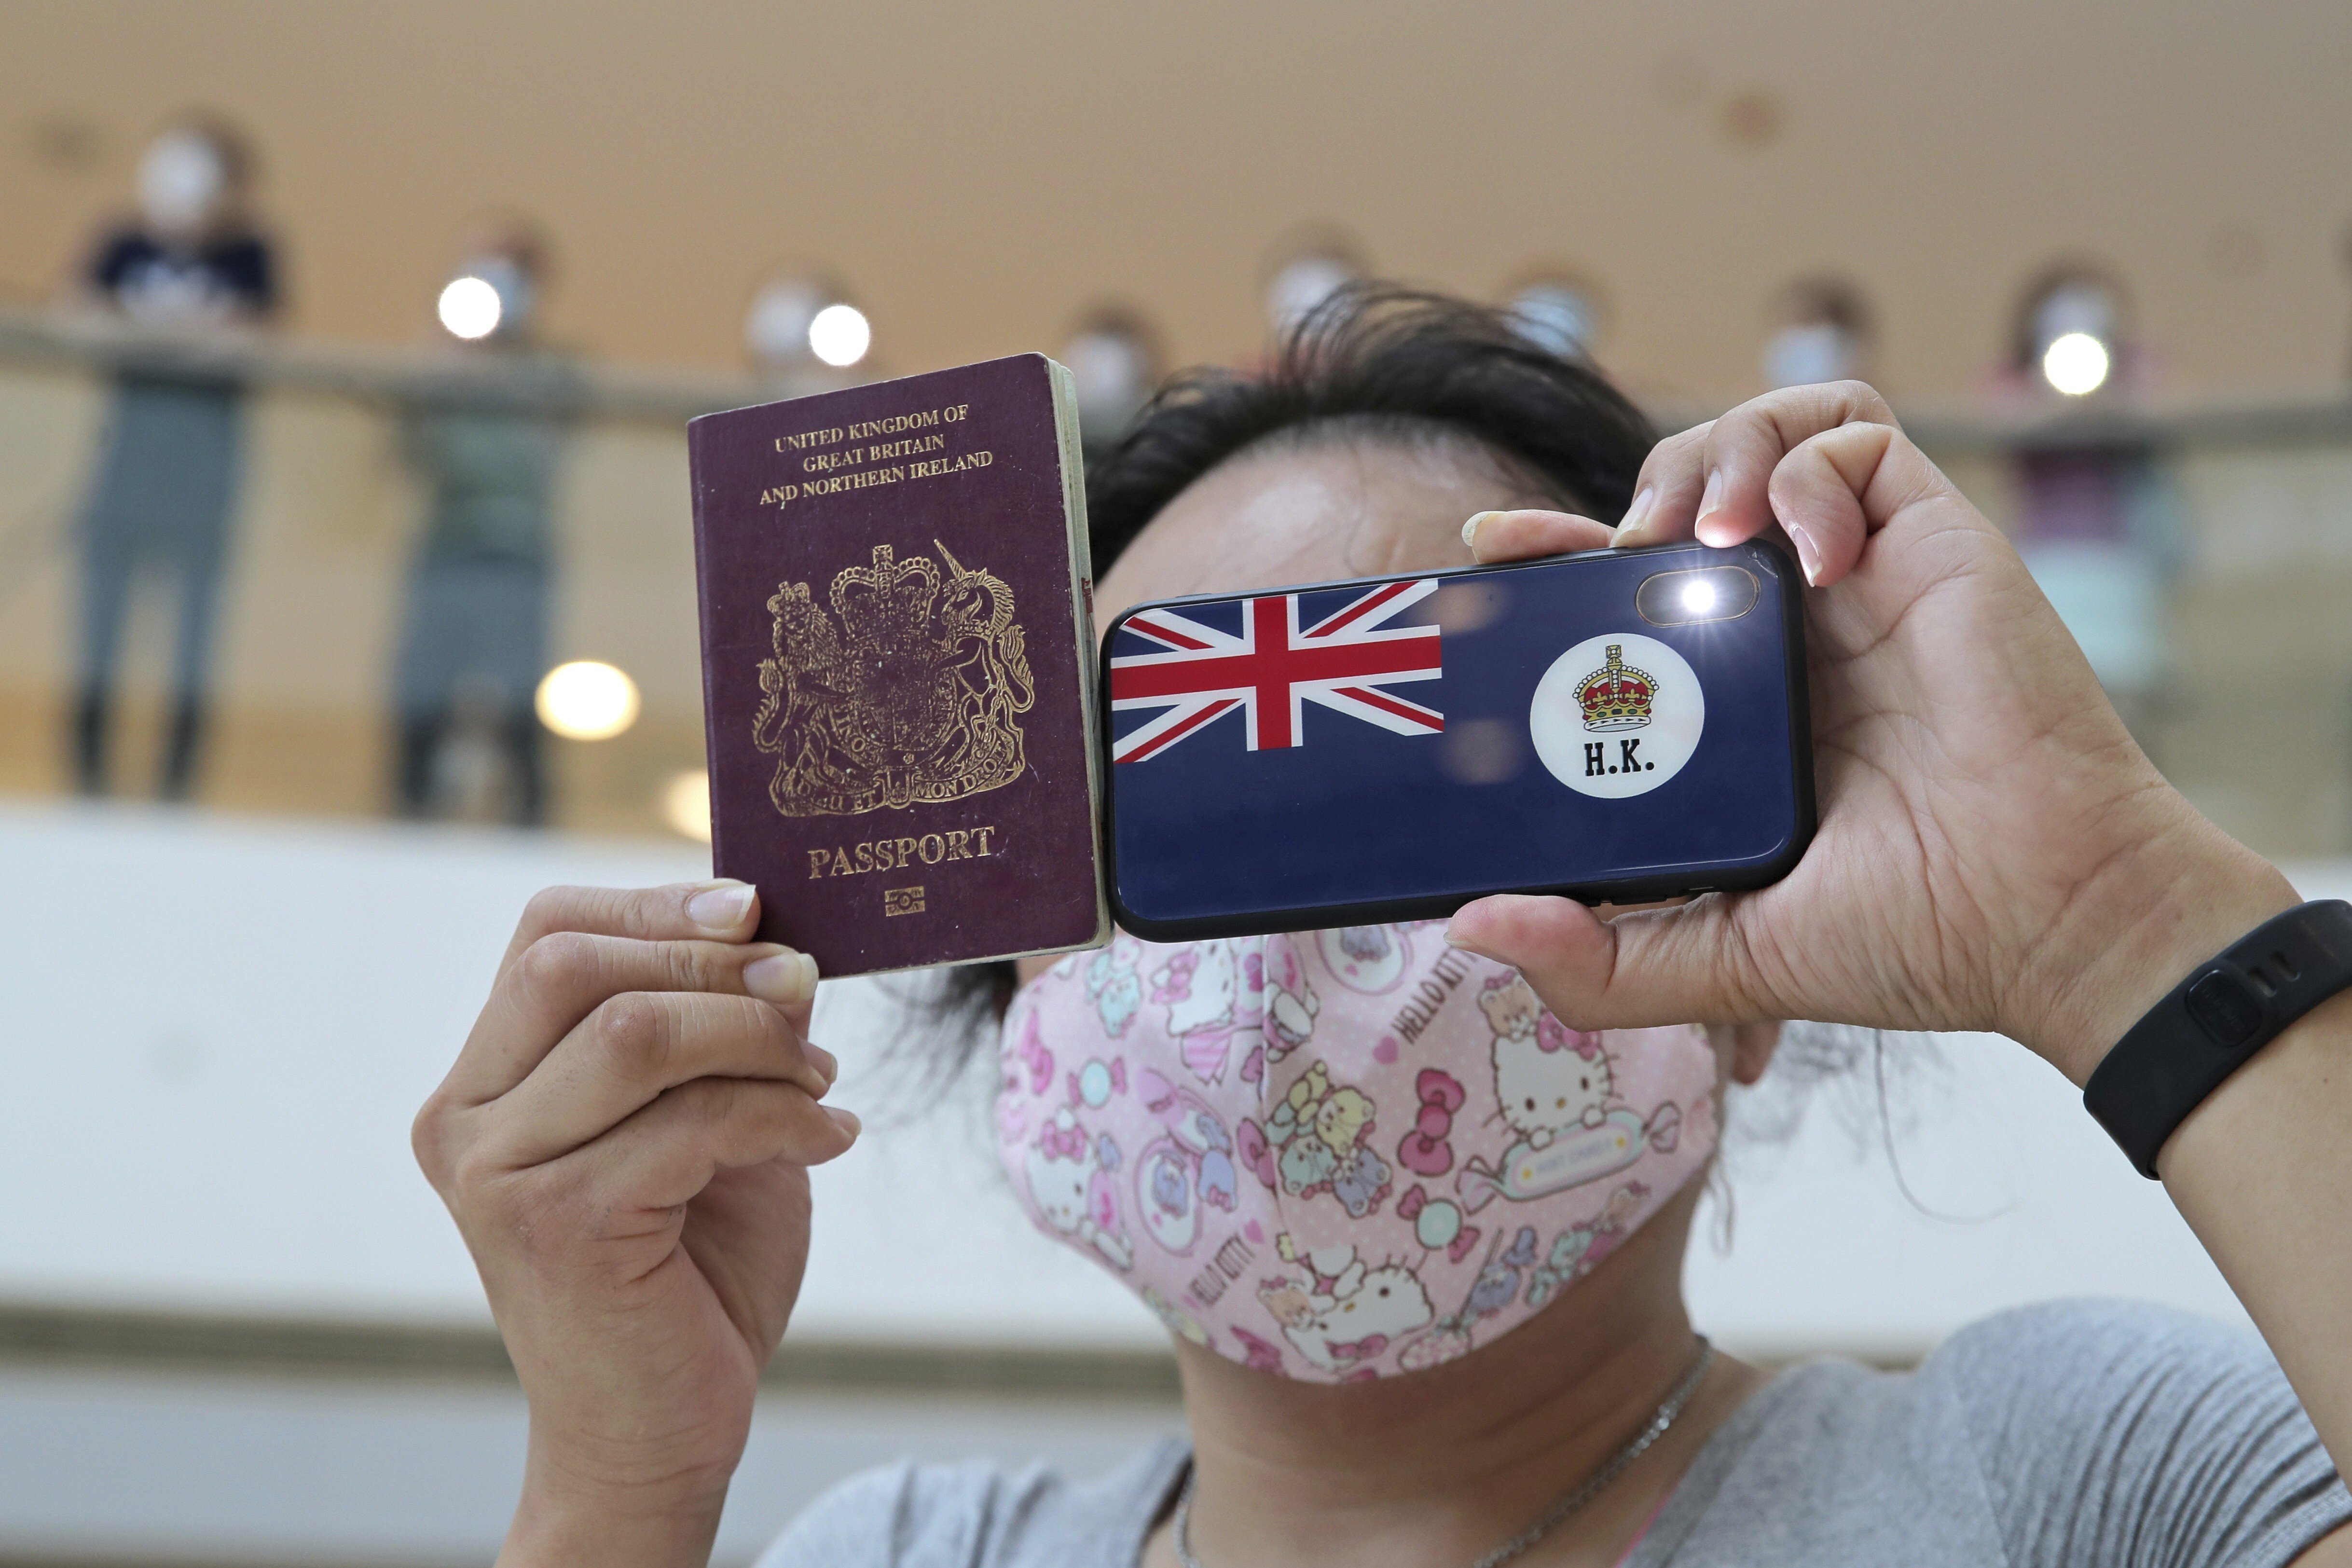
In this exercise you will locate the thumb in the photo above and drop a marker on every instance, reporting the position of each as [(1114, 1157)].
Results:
[(1684, 964)]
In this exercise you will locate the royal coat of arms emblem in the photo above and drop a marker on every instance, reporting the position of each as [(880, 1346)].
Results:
[(906, 693)]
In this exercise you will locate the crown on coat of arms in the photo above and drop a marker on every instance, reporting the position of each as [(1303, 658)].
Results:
[(1616, 696)]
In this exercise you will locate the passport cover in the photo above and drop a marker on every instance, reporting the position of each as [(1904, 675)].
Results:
[(897, 667)]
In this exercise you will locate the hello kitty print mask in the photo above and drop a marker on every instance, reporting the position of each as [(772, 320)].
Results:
[(1338, 1154)]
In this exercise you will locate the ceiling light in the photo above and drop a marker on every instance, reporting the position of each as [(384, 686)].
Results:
[(470, 308), (839, 335), (686, 804), (2076, 363), (587, 699)]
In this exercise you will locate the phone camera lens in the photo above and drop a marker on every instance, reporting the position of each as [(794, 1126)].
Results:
[(1686, 598)]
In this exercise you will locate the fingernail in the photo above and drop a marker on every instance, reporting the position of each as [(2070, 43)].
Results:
[(782, 977), (1809, 556), (721, 908), (1453, 941), (845, 1120), (1710, 498), (1470, 529), (1639, 512), (824, 1061)]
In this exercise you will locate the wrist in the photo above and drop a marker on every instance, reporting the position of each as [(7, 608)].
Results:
[(2188, 892), (572, 1516)]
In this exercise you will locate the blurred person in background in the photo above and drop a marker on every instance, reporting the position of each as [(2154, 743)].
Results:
[(1114, 357), (1418, 1317), (191, 265), (1824, 334), (801, 334), (1308, 267), (1558, 311), (2097, 518), (484, 441)]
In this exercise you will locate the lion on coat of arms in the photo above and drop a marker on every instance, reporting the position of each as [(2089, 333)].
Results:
[(910, 698)]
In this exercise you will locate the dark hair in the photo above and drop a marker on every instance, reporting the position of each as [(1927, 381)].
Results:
[(1374, 363)]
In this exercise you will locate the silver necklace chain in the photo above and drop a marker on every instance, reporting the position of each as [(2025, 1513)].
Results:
[(1591, 1487)]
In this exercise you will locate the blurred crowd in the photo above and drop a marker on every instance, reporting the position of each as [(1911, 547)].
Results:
[(469, 692)]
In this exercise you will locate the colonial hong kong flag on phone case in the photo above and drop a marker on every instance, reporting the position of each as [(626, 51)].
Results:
[(1371, 751), (1173, 675)]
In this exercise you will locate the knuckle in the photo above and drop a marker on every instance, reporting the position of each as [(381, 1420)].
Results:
[(690, 968), (639, 914), (549, 909), (557, 961), (430, 1138), (479, 1184), (632, 1033)]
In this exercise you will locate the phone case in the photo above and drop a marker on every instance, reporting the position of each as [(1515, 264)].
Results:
[(1390, 749)]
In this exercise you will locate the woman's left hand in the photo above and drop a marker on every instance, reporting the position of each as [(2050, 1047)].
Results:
[(1994, 851)]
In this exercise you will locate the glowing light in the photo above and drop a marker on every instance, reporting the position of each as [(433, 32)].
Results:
[(587, 700), (1698, 596), (839, 335), (469, 307), (2076, 363), (686, 804)]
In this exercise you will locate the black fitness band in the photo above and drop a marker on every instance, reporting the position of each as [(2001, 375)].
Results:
[(2230, 1006)]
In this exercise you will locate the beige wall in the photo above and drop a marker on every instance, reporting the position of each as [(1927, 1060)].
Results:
[(980, 172)]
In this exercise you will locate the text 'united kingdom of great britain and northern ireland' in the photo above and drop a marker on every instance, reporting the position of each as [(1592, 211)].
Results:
[(830, 464)]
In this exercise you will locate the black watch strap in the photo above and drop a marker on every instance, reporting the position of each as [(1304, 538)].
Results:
[(2230, 1006)]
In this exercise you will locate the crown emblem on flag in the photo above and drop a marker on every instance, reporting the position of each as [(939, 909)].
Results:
[(1616, 696)]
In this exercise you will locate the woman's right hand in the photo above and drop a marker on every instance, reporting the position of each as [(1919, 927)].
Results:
[(623, 1143)]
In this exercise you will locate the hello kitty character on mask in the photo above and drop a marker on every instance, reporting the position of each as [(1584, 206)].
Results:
[(1319, 1131), (1211, 994), (1548, 1077), (1555, 1089), (1070, 1187), (1347, 1315)]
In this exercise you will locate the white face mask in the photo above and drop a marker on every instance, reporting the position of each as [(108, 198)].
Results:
[(181, 182), (1113, 373), (1809, 354), (1555, 317), (2077, 307), (777, 329), (512, 284), (1301, 285)]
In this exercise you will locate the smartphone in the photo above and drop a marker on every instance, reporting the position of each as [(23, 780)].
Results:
[(1615, 725)]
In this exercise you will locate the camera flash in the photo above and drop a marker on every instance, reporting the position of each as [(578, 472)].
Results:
[(1689, 598)]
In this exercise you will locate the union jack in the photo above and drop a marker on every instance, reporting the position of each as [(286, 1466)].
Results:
[(1274, 667)]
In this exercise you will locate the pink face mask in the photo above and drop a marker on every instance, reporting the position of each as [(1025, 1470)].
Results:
[(1338, 1154)]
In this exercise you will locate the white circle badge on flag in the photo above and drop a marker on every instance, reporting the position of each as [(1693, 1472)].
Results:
[(1617, 715)]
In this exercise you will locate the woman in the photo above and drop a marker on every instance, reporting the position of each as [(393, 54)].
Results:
[(623, 1138)]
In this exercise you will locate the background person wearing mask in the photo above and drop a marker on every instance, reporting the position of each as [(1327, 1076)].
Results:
[(484, 441), (1824, 334), (170, 459)]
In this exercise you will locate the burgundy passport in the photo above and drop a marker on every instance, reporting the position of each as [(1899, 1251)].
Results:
[(897, 667)]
